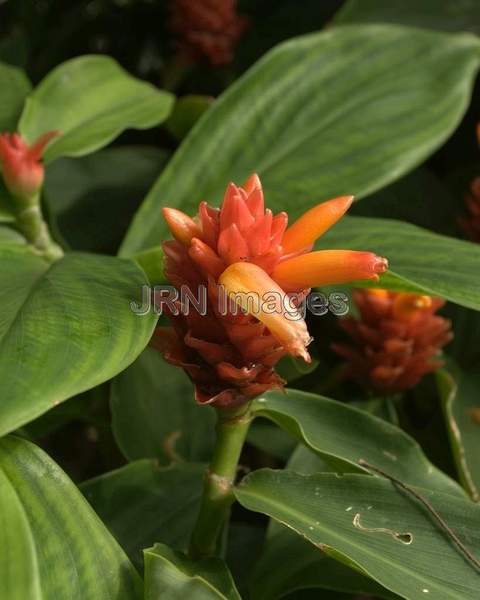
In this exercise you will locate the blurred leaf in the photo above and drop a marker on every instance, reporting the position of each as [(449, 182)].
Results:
[(460, 393), (354, 519), (269, 438), (290, 368), (65, 328), (446, 15), (186, 112), (431, 263), (93, 198), (14, 87), (9, 236), (345, 111), (342, 435), (143, 503), (155, 415), (90, 100), (170, 574), (57, 547)]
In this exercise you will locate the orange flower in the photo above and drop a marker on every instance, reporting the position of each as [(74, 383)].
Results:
[(246, 254), (209, 28), (396, 340), (22, 169)]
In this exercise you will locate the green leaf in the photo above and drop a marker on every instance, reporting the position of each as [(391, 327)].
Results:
[(344, 111), (343, 435), (143, 503), (65, 327), (93, 198), (90, 100), (9, 236), (269, 438), (461, 407), (445, 15), (185, 113), (421, 260), (355, 518), (171, 575), (14, 86), (53, 544), (163, 422), (304, 567)]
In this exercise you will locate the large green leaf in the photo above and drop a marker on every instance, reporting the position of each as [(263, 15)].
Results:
[(368, 523), (460, 395), (90, 100), (64, 327), (93, 198), (446, 15), (304, 567), (163, 421), (344, 111), (53, 544), (170, 575), (143, 503), (430, 263), (14, 87), (345, 435)]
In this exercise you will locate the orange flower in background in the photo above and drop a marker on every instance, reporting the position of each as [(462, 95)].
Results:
[(207, 28), (22, 169), (396, 341), (470, 223), (242, 250)]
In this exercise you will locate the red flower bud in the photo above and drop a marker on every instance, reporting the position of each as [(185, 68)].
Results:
[(22, 169)]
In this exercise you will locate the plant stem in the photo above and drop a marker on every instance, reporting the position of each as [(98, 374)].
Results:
[(31, 224), (232, 428)]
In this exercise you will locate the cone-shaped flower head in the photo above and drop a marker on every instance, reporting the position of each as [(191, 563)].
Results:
[(22, 169), (257, 273), (207, 28), (396, 340)]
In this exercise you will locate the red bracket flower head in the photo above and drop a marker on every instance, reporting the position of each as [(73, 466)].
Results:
[(396, 341), (22, 169), (207, 28), (246, 252)]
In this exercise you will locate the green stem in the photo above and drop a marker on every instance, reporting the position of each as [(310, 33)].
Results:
[(218, 495), (31, 224)]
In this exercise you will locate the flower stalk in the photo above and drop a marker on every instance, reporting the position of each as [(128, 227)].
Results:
[(32, 225), (232, 429)]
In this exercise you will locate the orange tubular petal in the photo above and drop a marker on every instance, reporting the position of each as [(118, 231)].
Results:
[(311, 225), (183, 227), (328, 267), (252, 289)]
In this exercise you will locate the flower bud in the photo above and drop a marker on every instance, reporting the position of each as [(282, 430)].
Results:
[(22, 169)]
